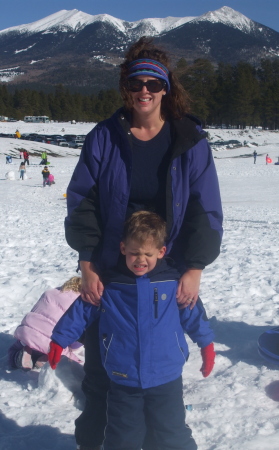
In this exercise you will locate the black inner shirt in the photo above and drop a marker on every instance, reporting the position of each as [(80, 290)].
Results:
[(150, 162)]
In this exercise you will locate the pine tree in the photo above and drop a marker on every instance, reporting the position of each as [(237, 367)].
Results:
[(223, 95), (247, 95), (199, 80)]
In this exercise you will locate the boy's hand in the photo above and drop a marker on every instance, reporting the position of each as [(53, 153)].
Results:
[(54, 354), (208, 359)]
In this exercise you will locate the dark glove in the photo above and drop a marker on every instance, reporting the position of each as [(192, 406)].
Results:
[(208, 359), (54, 354)]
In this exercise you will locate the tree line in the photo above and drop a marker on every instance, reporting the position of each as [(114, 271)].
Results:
[(61, 105), (236, 96)]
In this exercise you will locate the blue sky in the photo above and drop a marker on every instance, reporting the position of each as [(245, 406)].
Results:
[(18, 12)]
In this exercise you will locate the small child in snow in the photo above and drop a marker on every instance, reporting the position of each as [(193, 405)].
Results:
[(22, 170), (33, 334), (142, 342), (45, 173), (51, 179)]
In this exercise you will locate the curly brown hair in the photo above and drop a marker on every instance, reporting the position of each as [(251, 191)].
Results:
[(144, 225), (175, 104)]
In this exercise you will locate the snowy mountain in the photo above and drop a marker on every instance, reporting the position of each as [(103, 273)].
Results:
[(75, 20), (228, 17), (52, 50)]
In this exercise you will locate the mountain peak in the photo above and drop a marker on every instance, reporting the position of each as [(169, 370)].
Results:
[(229, 17), (64, 20)]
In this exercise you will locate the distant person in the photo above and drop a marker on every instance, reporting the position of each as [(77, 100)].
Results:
[(51, 179), (17, 134), (268, 160), (22, 170), (44, 158), (255, 154), (142, 342), (26, 157), (45, 173), (33, 334), (21, 155), (9, 159)]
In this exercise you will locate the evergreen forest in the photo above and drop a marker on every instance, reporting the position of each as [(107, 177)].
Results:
[(226, 95)]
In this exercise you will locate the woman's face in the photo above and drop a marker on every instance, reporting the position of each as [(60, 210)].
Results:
[(146, 102)]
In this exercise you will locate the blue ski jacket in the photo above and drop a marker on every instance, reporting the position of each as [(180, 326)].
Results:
[(99, 190), (141, 329)]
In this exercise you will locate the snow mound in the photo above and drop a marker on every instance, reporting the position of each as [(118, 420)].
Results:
[(10, 175)]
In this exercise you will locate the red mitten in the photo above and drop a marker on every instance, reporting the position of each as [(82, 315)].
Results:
[(54, 354), (208, 359)]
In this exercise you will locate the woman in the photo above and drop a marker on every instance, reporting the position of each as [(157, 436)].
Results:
[(150, 155)]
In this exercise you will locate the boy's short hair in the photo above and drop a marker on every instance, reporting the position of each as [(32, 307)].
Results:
[(144, 225)]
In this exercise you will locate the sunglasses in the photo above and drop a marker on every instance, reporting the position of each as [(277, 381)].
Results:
[(135, 85)]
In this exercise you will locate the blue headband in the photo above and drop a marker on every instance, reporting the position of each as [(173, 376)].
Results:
[(149, 67)]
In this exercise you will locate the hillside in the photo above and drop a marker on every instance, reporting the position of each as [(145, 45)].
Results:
[(53, 50)]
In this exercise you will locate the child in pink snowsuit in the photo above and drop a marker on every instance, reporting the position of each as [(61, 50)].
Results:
[(50, 179), (33, 334)]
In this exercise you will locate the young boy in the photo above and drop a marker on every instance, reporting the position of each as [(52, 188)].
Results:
[(142, 341), (45, 173)]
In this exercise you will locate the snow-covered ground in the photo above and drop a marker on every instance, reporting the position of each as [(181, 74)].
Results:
[(237, 407)]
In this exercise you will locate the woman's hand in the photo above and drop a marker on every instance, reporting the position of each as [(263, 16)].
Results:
[(91, 286), (188, 288)]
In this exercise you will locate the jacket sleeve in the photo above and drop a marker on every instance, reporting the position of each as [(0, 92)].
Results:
[(199, 239), (196, 324), (83, 224), (204, 216), (73, 323)]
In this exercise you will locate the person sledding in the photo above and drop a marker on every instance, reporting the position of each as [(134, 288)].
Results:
[(268, 160)]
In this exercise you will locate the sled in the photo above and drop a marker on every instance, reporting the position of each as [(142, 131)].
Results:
[(268, 345)]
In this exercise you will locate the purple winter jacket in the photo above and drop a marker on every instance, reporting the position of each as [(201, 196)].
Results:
[(98, 195)]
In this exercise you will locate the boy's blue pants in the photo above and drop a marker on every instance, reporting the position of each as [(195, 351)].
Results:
[(90, 425), (131, 410)]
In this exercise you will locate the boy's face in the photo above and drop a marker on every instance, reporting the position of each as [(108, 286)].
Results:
[(141, 258)]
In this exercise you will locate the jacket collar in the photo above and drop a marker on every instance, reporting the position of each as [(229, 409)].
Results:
[(185, 132)]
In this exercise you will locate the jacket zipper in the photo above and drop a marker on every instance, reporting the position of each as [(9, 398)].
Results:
[(156, 303)]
